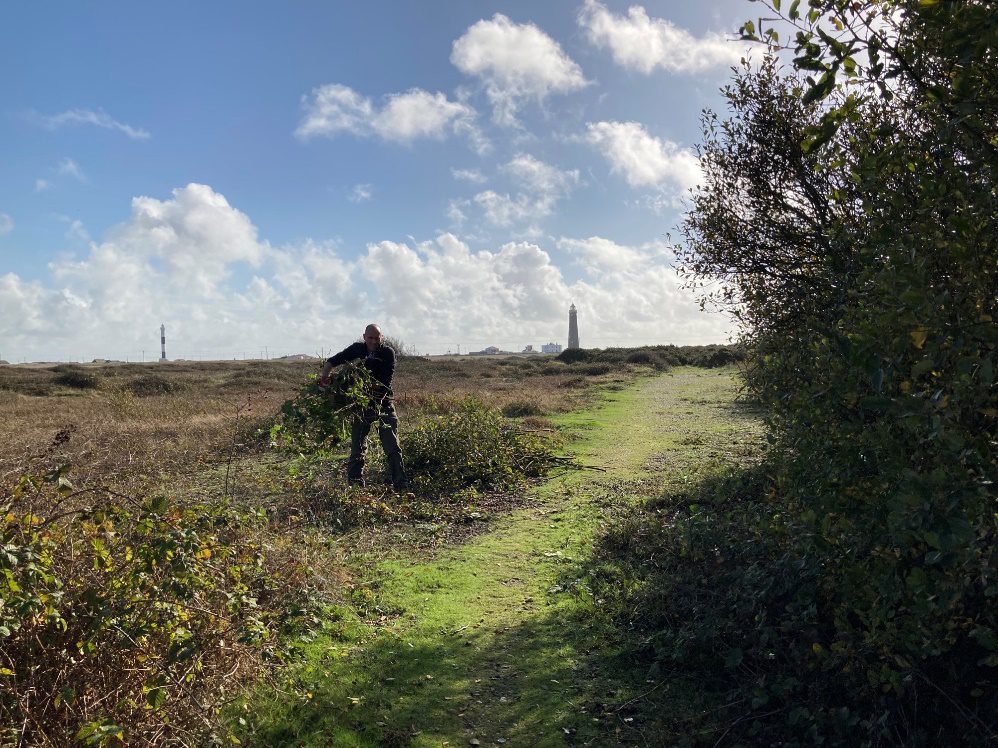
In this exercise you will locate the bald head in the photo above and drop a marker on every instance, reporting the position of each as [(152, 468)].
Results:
[(372, 337)]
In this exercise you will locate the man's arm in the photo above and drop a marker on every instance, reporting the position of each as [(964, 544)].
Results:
[(350, 353)]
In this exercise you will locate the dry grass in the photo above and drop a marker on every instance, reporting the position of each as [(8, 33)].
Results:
[(135, 425)]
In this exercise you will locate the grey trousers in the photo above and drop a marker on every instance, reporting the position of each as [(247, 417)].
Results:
[(388, 433)]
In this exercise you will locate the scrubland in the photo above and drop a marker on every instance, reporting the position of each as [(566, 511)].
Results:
[(159, 551)]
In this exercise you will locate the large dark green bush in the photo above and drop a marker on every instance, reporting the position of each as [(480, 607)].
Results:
[(855, 229)]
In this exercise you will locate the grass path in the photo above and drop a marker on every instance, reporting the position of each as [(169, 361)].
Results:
[(486, 642)]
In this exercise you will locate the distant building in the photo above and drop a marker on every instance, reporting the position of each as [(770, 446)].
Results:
[(573, 328), (551, 348), (490, 351), (528, 349)]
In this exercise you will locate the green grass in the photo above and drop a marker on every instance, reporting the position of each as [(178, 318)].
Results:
[(486, 640)]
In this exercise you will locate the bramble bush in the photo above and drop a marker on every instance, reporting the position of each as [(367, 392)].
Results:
[(124, 621), (474, 445), (318, 418)]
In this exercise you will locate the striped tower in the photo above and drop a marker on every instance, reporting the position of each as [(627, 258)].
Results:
[(162, 342), (573, 328)]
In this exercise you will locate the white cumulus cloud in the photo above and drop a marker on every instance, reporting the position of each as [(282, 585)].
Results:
[(515, 62), (504, 211), (97, 118), (333, 109), (638, 42), (641, 158), (190, 242), (597, 254), (197, 264)]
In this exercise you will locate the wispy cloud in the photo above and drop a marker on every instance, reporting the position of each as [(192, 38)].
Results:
[(540, 187), (6, 224), (97, 118), (468, 175), (75, 230), (361, 193), (42, 184), (69, 168)]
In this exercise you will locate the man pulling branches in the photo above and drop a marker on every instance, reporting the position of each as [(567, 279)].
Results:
[(379, 359)]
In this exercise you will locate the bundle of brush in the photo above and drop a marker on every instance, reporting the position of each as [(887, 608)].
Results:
[(318, 418)]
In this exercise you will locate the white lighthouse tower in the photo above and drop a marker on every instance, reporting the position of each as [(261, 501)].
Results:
[(162, 342)]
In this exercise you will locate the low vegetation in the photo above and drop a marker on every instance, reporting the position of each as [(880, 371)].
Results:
[(843, 592), (659, 357), (158, 550)]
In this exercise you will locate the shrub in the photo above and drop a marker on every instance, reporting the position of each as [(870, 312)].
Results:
[(122, 619), (713, 585), (593, 370), (319, 418), (76, 378), (149, 385), (474, 445), (647, 358), (574, 355), (521, 408), (660, 357), (868, 299)]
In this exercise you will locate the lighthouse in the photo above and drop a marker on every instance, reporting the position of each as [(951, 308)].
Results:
[(573, 328), (162, 342)]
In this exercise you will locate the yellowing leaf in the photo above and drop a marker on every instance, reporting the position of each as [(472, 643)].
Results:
[(918, 337), (6, 671)]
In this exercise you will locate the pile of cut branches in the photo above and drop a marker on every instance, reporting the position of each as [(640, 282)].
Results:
[(318, 418)]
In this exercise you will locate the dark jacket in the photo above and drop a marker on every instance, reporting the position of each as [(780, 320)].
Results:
[(381, 363)]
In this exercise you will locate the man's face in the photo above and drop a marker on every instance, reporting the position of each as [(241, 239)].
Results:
[(372, 339)]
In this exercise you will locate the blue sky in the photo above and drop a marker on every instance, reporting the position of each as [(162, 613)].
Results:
[(255, 175)]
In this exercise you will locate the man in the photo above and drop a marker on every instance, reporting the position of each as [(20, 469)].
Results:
[(379, 359)]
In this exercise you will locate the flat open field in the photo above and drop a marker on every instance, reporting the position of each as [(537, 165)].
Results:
[(137, 425)]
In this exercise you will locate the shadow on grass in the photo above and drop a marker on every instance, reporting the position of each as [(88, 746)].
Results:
[(557, 679)]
